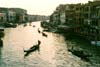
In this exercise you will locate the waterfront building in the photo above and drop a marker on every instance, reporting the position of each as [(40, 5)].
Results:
[(83, 19), (21, 14), (11, 16), (3, 15), (31, 18)]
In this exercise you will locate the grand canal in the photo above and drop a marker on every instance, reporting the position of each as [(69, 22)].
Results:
[(53, 49)]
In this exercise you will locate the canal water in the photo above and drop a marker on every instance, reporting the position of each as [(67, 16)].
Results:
[(53, 49)]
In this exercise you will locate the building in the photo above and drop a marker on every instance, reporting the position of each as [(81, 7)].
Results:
[(21, 15), (11, 16), (31, 18), (41, 17), (3, 15), (62, 13), (83, 19), (56, 18)]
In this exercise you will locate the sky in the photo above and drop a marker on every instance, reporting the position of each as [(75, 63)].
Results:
[(40, 7)]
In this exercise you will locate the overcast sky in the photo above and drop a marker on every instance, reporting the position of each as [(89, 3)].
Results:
[(40, 7)]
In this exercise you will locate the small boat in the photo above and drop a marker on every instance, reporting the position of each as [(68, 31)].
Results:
[(81, 54), (25, 25), (33, 25), (45, 35), (2, 34), (33, 48), (2, 28), (1, 43), (39, 31), (30, 24), (10, 25)]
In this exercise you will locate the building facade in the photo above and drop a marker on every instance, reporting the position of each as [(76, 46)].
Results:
[(11, 16), (83, 19), (3, 15), (31, 18), (21, 15)]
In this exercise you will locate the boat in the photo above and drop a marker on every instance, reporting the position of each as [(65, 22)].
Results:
[(1, 29), (25, 25), (81, 54), (33, 48)]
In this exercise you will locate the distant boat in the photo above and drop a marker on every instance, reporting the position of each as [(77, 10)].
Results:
[(1, 29), (81, 54), (2, 34), (33, 25), (25, 25), (39, 31), (30, 24), (10, 25), (1, 43), (45, 35)]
